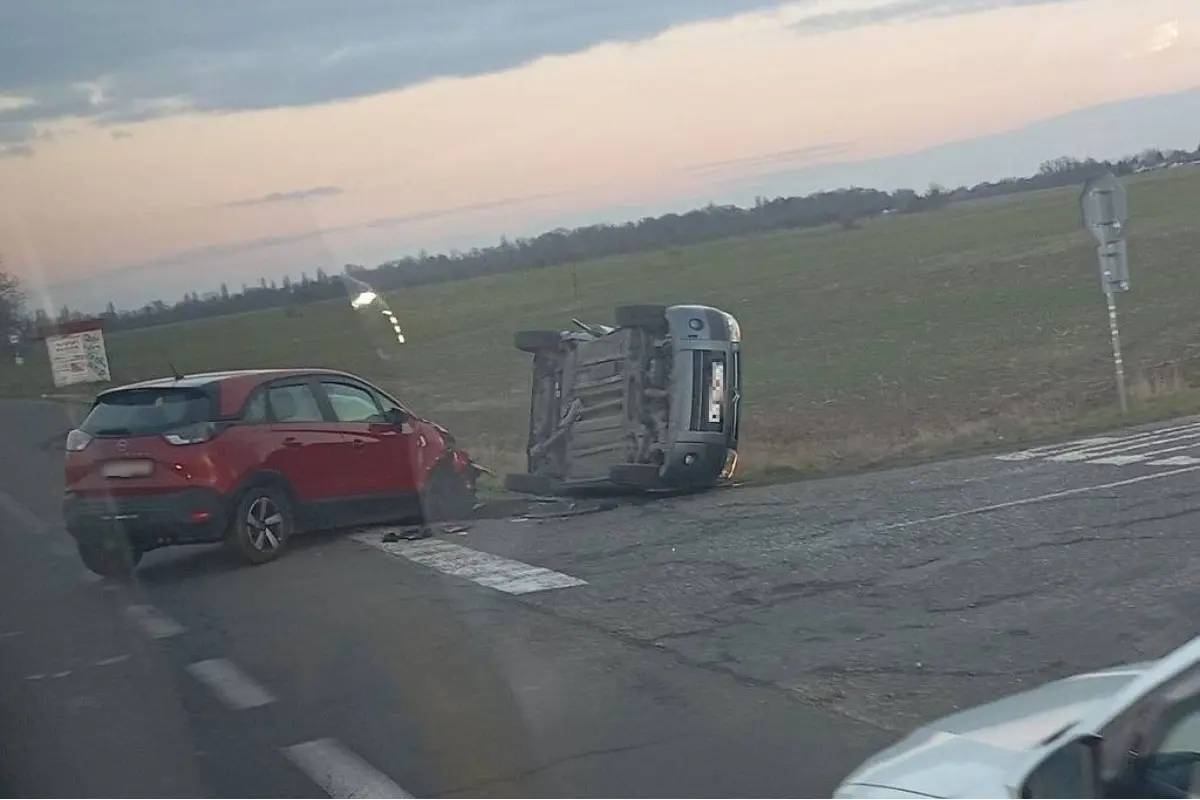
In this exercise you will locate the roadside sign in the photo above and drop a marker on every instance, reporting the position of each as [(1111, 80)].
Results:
[(78, 358), (1114, 266), (1105, 208)]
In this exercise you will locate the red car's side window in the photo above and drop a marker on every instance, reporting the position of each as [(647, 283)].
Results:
[(351, 403), (294, 403)]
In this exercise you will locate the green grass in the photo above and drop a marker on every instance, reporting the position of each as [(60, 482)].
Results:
[(979, 325)]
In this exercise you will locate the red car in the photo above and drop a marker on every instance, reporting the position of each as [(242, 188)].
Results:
[(251, 457)]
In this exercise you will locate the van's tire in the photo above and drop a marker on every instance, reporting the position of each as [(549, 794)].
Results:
[(448, 497), (262, 524), (536, 341), (651, 318), (109, 556), (638, 476), (525, 483)]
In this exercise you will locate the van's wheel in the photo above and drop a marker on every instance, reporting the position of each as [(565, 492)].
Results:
[(526, 483), (448, 497), (636, 476), (110, 556), (651, 318), (536, 341), (262, 524)]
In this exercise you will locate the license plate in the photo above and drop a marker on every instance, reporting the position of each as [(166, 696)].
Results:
[(128, 468), (716, 392)]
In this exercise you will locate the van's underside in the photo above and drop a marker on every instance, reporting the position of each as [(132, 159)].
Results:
[(599, 404)]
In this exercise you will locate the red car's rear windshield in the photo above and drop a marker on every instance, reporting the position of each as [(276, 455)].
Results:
[(146, 412)]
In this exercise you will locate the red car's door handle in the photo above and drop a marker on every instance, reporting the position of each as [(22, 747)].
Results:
[(359, 444), (291, 441)]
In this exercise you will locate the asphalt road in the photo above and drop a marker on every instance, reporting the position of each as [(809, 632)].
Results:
[(747, 642)]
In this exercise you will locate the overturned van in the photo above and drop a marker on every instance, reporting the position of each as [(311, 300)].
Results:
[(650, 404)]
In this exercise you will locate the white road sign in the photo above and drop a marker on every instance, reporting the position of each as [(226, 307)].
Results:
[(78, 358), (1105, 208)]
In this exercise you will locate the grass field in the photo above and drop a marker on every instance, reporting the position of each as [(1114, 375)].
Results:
[(914, 336)]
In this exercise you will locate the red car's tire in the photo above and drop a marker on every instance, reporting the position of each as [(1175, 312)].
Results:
[(449, 496), (110, 557), (263, 521)]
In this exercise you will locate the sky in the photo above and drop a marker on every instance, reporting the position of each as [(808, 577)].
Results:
[(153, 148)]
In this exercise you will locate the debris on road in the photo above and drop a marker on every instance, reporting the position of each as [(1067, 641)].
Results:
[(408, 534), (572, 510)]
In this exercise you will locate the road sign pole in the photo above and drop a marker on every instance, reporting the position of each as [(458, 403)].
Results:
[(1105, 214), (1115, 333)]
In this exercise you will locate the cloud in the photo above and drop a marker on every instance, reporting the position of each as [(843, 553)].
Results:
[(208, 253), (95, 59), (896, 11), (121, 134), (16, 151), (797, 155), (289, 197)]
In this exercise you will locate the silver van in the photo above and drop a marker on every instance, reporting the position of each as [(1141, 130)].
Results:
[(652, 403)]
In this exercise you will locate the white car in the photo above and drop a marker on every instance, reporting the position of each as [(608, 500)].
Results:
[(1131, 731)]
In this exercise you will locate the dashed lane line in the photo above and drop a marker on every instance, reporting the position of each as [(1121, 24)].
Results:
[(340, 772), (153, 622), (233, 687), (492, 571)]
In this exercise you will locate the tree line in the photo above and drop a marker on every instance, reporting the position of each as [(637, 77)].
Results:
[(847, 208)]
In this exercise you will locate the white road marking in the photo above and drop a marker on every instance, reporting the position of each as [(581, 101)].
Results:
[(1175, 461), (1045, 450), (1127, 446), (1136, 458), (340, 772), (1025, 501), (10, 634), (153, 622), (235, 688), (495, 572), (104, 662), (1146, 447), (1118, 461)]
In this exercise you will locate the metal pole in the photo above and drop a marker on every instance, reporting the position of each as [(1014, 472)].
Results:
[(1116, 347)]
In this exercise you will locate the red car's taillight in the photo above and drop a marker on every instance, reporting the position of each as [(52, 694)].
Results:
[(77, 440)]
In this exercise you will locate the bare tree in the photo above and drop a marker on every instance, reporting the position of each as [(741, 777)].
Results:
[(12, 301)]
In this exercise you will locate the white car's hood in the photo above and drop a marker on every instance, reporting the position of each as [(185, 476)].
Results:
[(972, 753)]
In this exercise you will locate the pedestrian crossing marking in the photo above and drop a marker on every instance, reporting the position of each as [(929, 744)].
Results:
[(1172, 446)]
